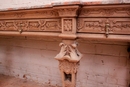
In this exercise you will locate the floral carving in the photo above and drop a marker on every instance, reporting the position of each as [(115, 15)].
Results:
[(10, 25), (2, 25), (31, 25), (69, 52), (69, 68), (21, 25), (67, 25), (98, 25)]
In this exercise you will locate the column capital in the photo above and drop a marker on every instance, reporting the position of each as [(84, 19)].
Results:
[(67, 11)]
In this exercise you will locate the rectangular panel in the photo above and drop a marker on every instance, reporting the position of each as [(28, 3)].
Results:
[(31, 25), (99, 25)]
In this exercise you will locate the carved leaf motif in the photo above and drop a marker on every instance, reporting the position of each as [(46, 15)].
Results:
[(21, 25), (91, 25), (67, 24), (69, 52), (31, 25), (68, 67), (10, 26), (115, 26), (50, 25), (67, 11), (2, 25), (119, 25)]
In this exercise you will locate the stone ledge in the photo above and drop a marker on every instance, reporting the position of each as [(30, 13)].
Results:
[(73, 2)]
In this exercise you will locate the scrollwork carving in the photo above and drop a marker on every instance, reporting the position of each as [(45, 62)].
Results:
[(91, 25), (31, 25), (98, 25)]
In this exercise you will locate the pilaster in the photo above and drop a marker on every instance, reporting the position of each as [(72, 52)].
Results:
[(69, 56)]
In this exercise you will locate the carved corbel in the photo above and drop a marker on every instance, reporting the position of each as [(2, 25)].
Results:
[(69, 51), (69, 56)]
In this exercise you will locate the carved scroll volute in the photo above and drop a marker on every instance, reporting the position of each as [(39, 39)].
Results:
[(69, 51)]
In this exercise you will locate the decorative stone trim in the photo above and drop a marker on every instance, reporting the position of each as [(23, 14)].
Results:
[(109, 22), (68, 58), (69, 51)]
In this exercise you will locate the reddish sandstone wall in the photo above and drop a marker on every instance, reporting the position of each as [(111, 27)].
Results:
[(104, 64)]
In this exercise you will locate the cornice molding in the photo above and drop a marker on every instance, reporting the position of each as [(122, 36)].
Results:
[(69, 21), (67, 11)]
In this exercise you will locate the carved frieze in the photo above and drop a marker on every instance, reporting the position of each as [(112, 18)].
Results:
[(91, 25), (100, 11), (39, 13), (97, 25), (32, 25)]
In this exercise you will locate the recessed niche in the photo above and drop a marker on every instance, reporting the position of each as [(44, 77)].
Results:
[(68, 77)]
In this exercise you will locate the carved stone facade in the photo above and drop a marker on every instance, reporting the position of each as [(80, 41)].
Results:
[(68, 72), (69, 51), (109, 22), (68, 58), (31, 25)]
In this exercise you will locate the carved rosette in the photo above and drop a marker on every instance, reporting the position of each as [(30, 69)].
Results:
[(68, 25)]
